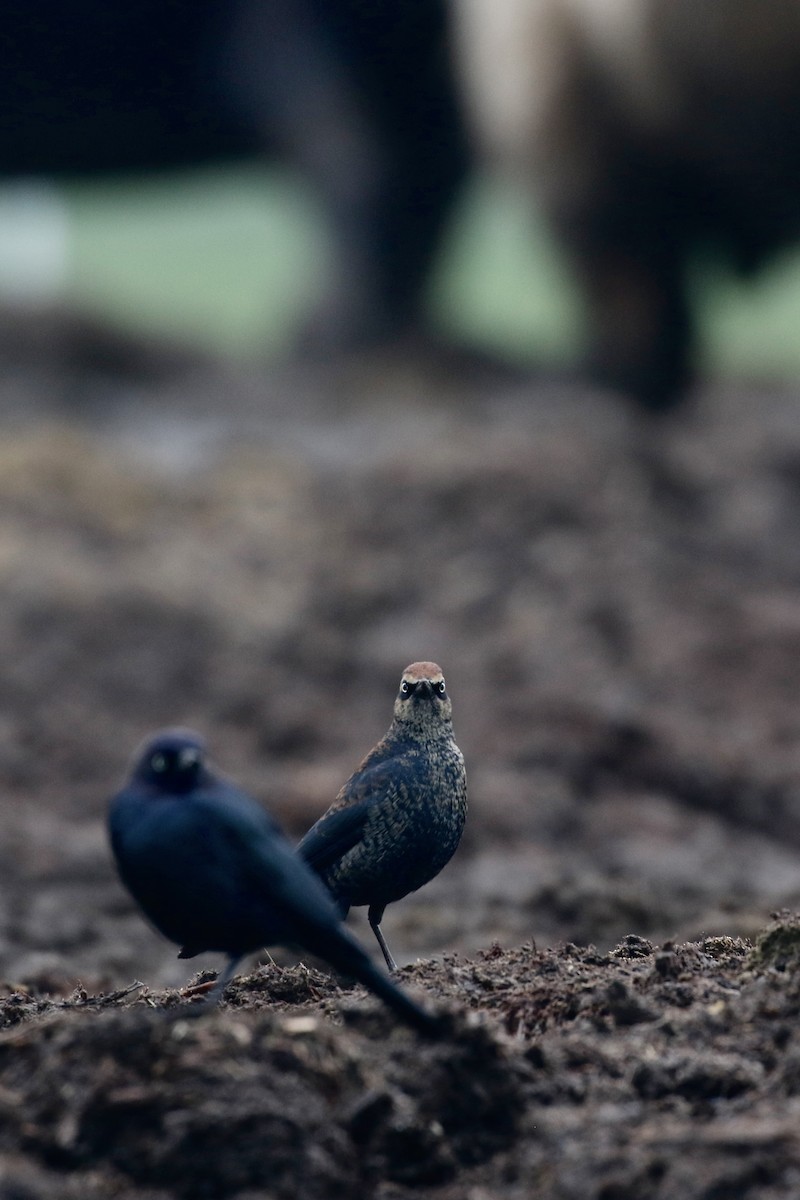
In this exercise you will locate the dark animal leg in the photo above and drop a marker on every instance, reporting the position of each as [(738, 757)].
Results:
[(640, 325), (362, 101)]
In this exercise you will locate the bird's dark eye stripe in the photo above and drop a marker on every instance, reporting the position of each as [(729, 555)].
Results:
[(407, 688)]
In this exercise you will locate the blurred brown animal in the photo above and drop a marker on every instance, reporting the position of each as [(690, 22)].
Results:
[(647, 130)]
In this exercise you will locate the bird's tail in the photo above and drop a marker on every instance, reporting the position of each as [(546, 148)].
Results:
[(351, 959), (401, 1004)]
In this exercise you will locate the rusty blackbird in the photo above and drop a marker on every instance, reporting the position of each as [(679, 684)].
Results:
[(399, 818), (212, 870)]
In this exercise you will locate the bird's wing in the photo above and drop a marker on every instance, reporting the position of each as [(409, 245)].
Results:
[(340, 829), (333, 835)]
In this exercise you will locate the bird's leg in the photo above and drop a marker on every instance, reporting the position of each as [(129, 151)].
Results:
[(375, 916), (223, 979), (213, 997)]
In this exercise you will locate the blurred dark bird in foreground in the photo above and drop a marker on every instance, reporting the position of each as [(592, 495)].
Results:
[(651, 133), (399, 818), (213, 871)]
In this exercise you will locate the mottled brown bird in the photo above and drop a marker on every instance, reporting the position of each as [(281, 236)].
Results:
[(400, 816)]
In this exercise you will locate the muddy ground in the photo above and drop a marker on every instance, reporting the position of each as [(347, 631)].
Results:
[(258, 553)]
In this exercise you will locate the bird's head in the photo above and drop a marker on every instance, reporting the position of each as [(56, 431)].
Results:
[(171, 761), (423, 700)]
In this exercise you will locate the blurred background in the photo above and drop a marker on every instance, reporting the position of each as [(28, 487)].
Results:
[(292, 393), (230, 259)]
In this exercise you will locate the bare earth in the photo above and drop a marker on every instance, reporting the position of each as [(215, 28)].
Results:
[(616, 605)]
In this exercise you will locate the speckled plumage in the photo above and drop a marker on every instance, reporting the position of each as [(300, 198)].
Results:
[(399, 818)]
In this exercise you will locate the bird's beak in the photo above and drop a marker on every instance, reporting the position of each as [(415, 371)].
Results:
[(424, 689)]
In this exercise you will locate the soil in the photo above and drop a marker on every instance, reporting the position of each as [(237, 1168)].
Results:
[(257, 553)]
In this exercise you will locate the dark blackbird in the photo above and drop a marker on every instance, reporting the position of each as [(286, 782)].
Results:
[(400, 816), (212, 870)]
